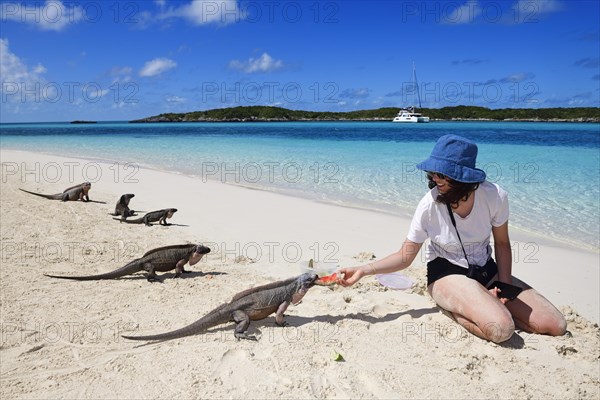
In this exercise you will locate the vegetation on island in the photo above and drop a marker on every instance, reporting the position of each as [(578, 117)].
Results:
[(457, 113)]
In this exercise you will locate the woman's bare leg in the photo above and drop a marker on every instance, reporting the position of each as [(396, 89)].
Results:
[(533, 313), (473, 307)]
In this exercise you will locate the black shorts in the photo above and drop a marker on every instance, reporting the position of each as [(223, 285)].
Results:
[(440, 267)]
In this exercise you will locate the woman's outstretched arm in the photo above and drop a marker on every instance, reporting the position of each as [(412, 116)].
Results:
[(394, 262)]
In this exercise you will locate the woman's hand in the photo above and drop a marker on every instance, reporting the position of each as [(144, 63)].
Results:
[(350, 276), (494, 291)]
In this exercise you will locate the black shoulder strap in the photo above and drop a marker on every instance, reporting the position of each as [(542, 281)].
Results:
[(456, 229)]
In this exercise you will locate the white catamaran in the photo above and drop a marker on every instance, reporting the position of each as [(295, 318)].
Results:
[(408, 114)]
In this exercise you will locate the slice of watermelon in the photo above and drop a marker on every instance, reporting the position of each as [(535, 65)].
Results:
[(328, 280)]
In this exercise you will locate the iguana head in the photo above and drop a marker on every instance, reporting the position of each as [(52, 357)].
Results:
[(199, 252), (303, 283), (86, 186), (307, 280), (124, 200), (170, 212)]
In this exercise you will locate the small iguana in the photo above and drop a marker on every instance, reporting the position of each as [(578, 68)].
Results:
[(122, 208), (250, 305), (78, 192), (161, 259), (154, 216)]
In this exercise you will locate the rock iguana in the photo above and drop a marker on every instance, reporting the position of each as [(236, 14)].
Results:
[(154, 216), (122, 208), (161, 259), (250, 305), (78, 192)]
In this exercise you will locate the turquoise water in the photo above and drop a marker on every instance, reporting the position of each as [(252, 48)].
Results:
[(551, 170)]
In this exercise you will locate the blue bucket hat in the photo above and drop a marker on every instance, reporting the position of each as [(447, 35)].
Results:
[(454, 156)]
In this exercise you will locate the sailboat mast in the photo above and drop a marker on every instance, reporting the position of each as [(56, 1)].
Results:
[(416, 84)]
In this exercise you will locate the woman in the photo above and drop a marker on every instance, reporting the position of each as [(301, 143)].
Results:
[(457, 215)]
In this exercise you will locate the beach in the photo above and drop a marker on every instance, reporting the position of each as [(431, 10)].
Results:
[(61, 338)]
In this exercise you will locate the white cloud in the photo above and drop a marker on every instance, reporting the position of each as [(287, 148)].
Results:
[(518, 77), (202, 12), (121, 74), (175, 99), (536, 7), (52, 16), (529, 11), (39, 69), (157, 66), (18, 81), (264, 63)]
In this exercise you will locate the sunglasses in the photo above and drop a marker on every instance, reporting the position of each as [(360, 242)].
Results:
[(430, 175)]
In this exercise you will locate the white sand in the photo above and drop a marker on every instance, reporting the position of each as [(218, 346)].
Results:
[(60, 339)]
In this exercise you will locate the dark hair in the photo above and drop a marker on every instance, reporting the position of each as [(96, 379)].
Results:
[(458, 191)]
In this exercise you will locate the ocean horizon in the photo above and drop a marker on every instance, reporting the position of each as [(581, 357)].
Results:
[(550, 170)]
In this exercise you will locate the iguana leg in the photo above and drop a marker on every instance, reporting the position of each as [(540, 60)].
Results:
[(148, 267), (65, 197), (179, 268), (279, 316), (243, 322), (146, 222)]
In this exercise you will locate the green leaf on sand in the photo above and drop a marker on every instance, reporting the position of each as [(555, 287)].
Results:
[(335, 356)]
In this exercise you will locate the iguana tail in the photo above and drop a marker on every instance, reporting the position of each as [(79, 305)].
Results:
[(130, 221), (218, 316), (128, 269), (58, 196)]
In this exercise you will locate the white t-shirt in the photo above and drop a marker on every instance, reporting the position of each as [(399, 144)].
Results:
[(431, 220)]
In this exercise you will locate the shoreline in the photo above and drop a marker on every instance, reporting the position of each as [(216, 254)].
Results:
[(520, 233), (62, 339)]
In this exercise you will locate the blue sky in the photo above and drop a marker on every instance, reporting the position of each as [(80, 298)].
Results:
[(121, 60)]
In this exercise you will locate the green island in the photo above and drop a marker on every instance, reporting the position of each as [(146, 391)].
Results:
[(457, 113)]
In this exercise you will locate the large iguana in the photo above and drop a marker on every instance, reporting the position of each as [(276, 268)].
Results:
[(78, 192), (250, 305), (122, 208), (162, 259), (154, 216)]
